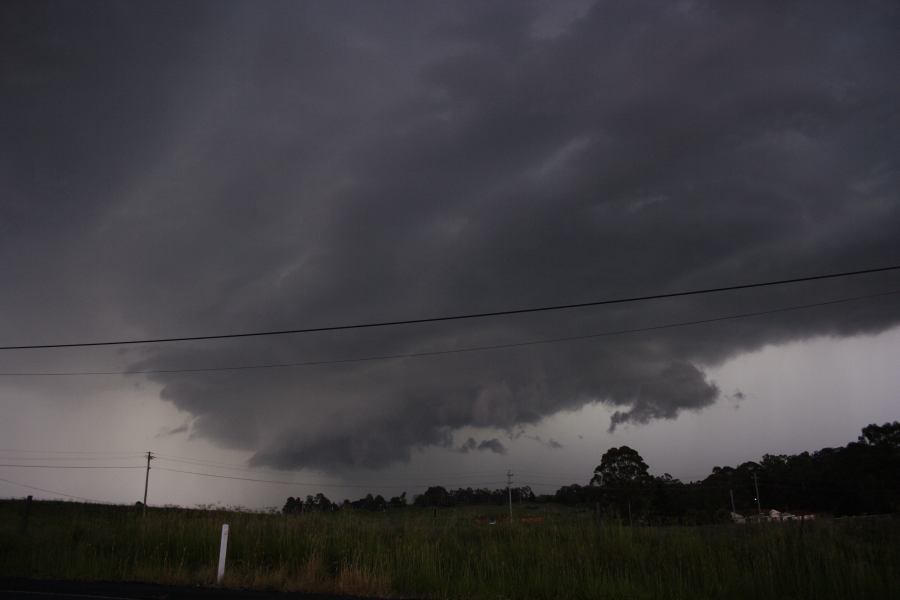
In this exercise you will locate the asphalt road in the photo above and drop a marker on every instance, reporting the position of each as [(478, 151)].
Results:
[(32, 589)]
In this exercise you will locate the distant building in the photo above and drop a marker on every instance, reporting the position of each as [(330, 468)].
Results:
[(773, 516)]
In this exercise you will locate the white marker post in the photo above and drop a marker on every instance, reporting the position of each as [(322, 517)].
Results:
[(223, 548)]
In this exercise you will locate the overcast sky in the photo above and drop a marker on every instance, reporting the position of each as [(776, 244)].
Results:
[(177, 169)]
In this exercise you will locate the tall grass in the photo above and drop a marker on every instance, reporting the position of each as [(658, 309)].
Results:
[(447, 554)]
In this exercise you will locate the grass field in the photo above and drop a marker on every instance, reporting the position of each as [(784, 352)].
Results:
[(447, 554)]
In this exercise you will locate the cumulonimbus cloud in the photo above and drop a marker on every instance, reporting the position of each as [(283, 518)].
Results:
[(613, 159), (335, 166)]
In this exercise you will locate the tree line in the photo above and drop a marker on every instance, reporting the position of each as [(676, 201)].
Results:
[(862, 477)]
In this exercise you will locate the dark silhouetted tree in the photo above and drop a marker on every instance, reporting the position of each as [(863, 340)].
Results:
[(623, 479), (620, 467), (398, 501), (293, 506), (887, 435)]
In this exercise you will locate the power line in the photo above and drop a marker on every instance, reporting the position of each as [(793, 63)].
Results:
[(39, 489), (557, 474), (457, 317), (314, 363), (67, 458), (304, 483), (209, 464), (65, 467), (431, 475), (422, 479), (106, 452), (469, 476), (205, 462), (533, 484)]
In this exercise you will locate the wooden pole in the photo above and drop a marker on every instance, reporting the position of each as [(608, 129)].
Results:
[(23, 527)]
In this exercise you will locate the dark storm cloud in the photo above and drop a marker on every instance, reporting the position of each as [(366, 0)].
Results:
[(170, 431), (550, 443), (679, 386), (493, 445), (240, 166), (469, 445)]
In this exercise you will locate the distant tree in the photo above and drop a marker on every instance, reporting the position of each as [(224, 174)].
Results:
[(292, 506), (620, 467), (319, 502), (398, 501), (623, 479), (887, 435), (862, 477), (523, 494), (370, 502), (667, 497), (439, 496), (434, 496), (570, 494)]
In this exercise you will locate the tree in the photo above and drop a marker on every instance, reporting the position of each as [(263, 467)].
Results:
[(887, 435), (620, 467), (434, 496), (370, 502), (293, 506), (622, 477), (319, 502), (398, 501)]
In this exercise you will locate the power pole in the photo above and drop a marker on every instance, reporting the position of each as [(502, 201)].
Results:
[(733, 509), (509, 476), (23, 527), (756, 487), (147, 480)]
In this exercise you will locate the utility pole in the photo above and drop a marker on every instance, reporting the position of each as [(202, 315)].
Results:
[(23, 527), (509, 476), (733, 509), (147, 480), (756, 487)]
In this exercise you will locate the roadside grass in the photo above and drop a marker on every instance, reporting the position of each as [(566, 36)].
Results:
[(446, 554)]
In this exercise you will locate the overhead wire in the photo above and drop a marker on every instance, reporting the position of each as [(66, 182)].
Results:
[(67, 458), (468, 475), (509, 345), (304, 483), (531, 482), (90, 455), (40, 489), (425, 480), (18, 466), (31, 451), (455, 317)]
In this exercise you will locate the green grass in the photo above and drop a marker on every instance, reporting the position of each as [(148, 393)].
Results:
[(412, 553)]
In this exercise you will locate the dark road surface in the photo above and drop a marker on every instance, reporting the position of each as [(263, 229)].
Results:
[(29, 589)]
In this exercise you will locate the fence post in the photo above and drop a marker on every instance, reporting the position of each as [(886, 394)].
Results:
[(223, 548)]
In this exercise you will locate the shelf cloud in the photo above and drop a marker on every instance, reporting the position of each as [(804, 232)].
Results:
[(229, 167)]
